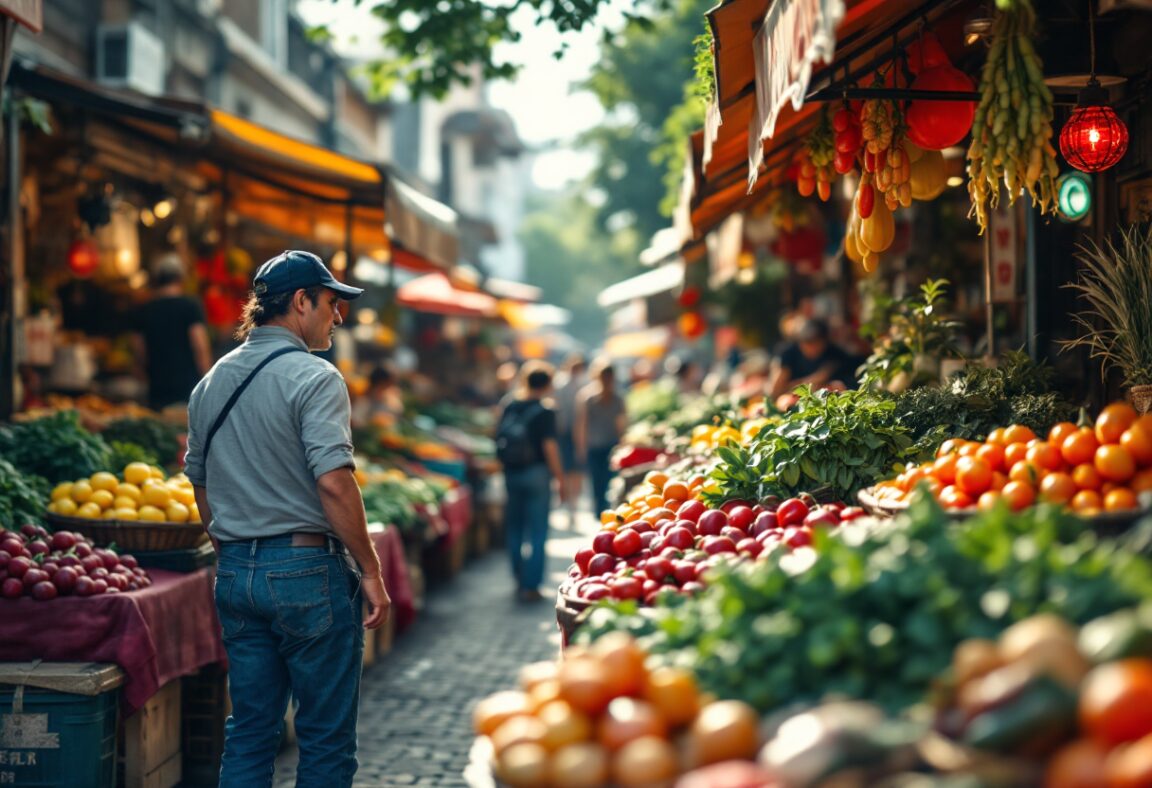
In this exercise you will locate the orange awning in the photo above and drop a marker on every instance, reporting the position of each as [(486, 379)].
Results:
[(434, 293), (717, 175)]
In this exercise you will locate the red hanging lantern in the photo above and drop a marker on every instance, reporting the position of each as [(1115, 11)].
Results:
[(83, 257), (1094, 138), (692, 325)]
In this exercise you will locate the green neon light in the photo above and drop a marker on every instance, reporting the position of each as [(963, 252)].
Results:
[(1074, 195)]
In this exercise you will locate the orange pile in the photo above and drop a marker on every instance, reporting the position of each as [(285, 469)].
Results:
[(1088, 469), (602, 716), (656, 499)]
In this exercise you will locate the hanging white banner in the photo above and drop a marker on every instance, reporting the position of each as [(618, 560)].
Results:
[(796, 35)]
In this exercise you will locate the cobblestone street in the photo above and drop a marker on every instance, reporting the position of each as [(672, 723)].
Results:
[(469, 640)]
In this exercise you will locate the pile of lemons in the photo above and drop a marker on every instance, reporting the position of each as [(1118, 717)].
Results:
[(144, 493)]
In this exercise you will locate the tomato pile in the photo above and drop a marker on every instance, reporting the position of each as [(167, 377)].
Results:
[(1089, 469), (44, 566), (665, 538), (603, 716)]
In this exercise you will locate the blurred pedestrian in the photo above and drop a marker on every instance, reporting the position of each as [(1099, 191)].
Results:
[(811, 358), (600, 422), (171, 336), (286, 518), (382, 404), (570, 382), (526, 446)]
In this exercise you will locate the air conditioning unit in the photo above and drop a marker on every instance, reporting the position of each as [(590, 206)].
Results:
[(130, 56)]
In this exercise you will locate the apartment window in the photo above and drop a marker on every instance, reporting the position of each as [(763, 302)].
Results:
[(274, 29)]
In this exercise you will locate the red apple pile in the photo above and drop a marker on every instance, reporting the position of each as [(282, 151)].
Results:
[(642, 559), (44, 566)]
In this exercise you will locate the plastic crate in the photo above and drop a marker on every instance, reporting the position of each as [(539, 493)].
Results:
[(49, 737), (456, 470)]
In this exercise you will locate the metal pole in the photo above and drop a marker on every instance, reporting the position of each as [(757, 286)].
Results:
[(990, 352), (1032, 323), (13, 276)]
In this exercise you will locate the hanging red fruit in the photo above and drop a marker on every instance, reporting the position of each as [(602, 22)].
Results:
[(926, 53), (935, 125), (689, 297), (692, 325), (83, 257)]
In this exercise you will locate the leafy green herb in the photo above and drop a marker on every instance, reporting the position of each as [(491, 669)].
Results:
[(22, 496), (55, 447), (831, 444), (160, 439)]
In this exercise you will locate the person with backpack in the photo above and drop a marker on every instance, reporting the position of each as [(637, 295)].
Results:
[(526, 446)]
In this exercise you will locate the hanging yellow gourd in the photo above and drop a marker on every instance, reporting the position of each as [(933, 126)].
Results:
[(929, 177), (878, 230)]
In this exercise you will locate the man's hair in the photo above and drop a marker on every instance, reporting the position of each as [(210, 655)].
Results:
[(167, 270), (260, 310), (537, 375)]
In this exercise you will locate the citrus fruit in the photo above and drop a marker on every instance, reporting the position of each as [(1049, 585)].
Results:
[(124, 513), (1116, 701), (128, 490), (1113, 462), (151, 514), (102, 480), (124, 502), (1113, 420), (61, 490), (137, 473), (90, 510), (156, 494), (193, 513), (81, 491), (66, 507), (102, 498), (176, 512)]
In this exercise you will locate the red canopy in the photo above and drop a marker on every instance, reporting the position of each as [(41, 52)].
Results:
[(435, 293)]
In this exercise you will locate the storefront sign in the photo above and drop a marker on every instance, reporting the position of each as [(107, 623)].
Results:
[(1004, 253), (796, 35), (29, 13)]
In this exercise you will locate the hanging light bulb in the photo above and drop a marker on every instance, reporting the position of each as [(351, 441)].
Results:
[(1094, 138)]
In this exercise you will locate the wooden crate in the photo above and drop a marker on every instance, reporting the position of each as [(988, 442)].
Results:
[(152, 745), (371, 652), (385, 636), (205, 708)]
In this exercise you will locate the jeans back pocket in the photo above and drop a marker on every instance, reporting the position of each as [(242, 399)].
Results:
[(303, 601), (231, 621)]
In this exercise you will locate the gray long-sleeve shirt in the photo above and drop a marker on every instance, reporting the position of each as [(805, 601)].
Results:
[(289, 427)]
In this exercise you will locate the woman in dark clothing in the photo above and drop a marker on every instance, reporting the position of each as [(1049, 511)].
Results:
[(527, 447)]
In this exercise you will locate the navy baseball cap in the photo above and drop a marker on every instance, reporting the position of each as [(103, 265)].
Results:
[(292, 270)]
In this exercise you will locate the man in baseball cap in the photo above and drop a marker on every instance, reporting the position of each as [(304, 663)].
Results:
[(295, 270), (270, 461)]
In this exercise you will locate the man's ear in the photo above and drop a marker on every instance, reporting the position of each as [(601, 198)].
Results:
[(300, 300)]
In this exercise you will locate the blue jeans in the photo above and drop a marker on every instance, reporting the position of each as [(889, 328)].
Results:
[(292, 621), (599, 475), (526, 519)]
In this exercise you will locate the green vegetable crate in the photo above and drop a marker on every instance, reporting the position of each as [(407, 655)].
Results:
[(58, 724)]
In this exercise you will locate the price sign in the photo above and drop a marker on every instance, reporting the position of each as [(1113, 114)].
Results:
[(1005, 260)]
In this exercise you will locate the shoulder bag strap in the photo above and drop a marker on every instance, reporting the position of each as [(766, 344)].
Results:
[(240, 390)]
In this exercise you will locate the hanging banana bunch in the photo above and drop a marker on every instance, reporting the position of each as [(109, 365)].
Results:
[(1012, 129)]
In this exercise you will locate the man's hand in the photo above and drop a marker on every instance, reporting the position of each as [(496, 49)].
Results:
[(379, 604)]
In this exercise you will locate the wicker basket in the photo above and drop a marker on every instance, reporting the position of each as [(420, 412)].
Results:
[(1104, 523), (133, 535), (569, 614)]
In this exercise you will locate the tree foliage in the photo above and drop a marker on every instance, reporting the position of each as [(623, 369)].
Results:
[(434, 44), (645, 80), (571, 260)]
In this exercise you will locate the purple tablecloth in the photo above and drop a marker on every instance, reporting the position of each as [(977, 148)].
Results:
[(155, 634)]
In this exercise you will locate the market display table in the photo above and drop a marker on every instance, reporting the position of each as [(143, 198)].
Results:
[(390, 548), (457, 511), (155, 635)]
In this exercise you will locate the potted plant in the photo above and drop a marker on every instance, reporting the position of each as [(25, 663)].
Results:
[(919, 337), (1116, 284)]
